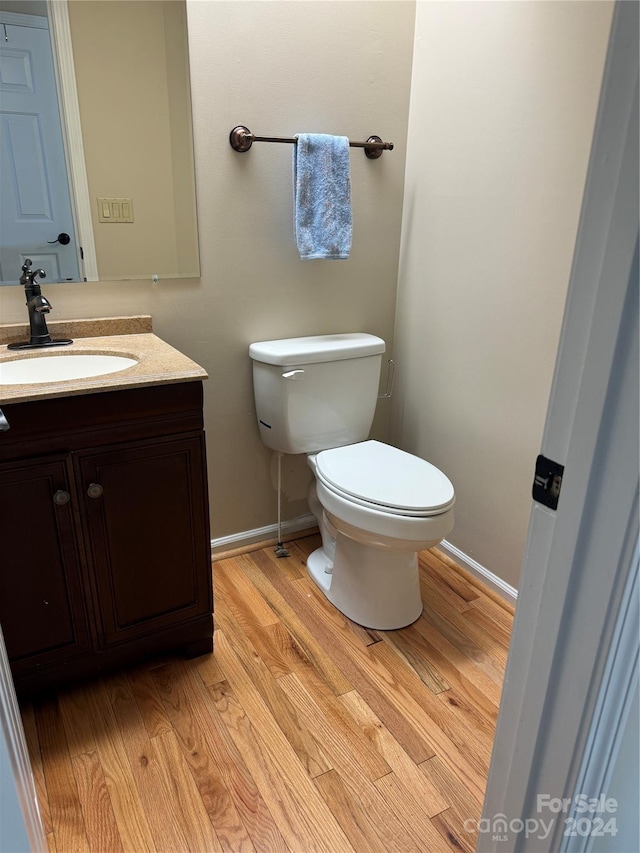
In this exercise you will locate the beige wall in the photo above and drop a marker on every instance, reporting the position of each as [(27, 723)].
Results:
[(133, 83), (502, 111), (277, 67)]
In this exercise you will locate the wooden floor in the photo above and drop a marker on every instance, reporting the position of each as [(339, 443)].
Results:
[(301, 732)]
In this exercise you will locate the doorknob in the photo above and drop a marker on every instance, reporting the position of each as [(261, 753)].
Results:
[(63, 239), (95, 490)]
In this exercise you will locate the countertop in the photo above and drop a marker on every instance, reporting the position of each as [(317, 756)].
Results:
[(158, 363)]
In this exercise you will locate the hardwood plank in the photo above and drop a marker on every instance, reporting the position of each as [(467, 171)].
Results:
[(425, 797), (367, 820), (145, 764), (373, 682), (486, 622), (454, 669), (434, 581), (35, 756), (306, 545), (187, 806), (100, 823), (498, 613), (51, 842), (470, 719), (248, 607), (472, 580), (349, 750), (275, 589), (332, 630), (208, 669), (411, 655), (459, 821), (466, 750), (77, 720), (64, 804), (446, 574), (302, 817), (125, 798), (435, 627), (451, 787), (227, 759), (291, 567), (312, 757), (495, 650), (149, 705), (417, 821), (278, 649), (454, 832), (183, 708), (468, 661)]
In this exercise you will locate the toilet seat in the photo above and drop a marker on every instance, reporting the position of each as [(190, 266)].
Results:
[(375, 475)]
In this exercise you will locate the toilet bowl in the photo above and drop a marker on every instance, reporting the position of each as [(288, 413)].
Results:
[(376, 507)]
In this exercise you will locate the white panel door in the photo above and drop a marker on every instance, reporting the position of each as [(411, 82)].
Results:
[(35, 206)]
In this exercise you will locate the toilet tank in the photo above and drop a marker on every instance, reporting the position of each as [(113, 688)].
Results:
[(316, 392)]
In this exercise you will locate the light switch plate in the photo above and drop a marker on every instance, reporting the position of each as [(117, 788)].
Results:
[(116, 210)]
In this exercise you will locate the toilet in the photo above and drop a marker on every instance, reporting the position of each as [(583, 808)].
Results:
[(376, 506)]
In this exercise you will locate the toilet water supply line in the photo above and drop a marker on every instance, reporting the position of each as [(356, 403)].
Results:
[(280, 550)]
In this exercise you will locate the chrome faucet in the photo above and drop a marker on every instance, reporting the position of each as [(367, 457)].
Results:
[(37, 305)]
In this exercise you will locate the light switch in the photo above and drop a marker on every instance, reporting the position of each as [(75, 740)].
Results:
[(115, 210)]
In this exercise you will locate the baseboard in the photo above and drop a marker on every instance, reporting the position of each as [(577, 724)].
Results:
[(259, 534), (502, 588), (246, 538)]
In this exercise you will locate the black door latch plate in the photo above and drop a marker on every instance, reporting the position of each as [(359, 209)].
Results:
[(547, 482)]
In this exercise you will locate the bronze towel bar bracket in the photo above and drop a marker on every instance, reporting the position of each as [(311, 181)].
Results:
[(241, 139)]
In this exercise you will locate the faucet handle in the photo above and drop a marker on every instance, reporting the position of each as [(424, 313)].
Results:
[(28, 275)]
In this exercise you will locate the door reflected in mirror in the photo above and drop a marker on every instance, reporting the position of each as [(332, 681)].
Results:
[(133, 208)]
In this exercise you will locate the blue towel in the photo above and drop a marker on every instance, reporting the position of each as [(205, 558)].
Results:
[(322, 196)]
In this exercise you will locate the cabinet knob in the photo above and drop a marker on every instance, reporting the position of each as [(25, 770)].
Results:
[(61, 497), (95, 490)]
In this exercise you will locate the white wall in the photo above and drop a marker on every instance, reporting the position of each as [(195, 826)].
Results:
[(279, 68), (503, 103)]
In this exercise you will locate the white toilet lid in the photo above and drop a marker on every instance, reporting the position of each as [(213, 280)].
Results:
[(387, 477)]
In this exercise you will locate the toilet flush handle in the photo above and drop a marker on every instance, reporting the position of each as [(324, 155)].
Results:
[(293, 374)]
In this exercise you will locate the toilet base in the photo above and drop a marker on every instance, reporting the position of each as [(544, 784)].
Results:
[(374, 587)]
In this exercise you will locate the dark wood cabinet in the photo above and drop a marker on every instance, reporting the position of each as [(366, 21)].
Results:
[(41, 602), (105, 547)]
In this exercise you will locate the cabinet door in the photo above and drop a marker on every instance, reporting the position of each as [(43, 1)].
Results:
[(41, 602), (147, 533)]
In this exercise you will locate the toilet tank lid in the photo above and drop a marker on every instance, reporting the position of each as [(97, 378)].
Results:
[(316, 348)]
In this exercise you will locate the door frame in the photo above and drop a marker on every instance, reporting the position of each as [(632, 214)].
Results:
[(581, 559), (20, 818), (62, 48)]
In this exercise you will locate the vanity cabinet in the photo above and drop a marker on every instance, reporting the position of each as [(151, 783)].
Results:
[(105, 554), (42, 610)]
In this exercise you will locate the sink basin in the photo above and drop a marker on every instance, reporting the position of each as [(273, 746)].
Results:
[(57, 368)]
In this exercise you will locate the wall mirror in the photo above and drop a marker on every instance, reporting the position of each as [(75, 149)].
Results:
[(96, 145)]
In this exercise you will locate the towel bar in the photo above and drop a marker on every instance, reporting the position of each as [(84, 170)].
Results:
[(241, 139)]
